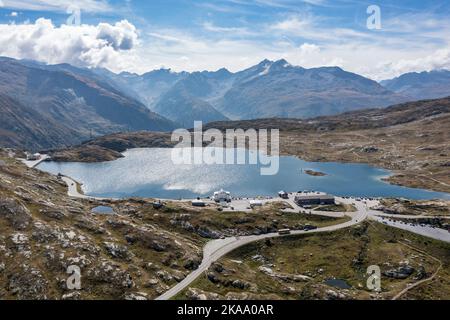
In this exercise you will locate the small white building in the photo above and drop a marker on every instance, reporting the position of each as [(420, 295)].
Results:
[(222, 196), (256, 203), (283, 195), (34, 157)]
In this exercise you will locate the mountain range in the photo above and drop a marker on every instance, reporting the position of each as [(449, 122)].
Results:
[(50, 106), (424, 85), (268, 89)]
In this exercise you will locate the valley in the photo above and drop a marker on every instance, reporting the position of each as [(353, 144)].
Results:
[(218, 153), (137, 252), (140, 251)]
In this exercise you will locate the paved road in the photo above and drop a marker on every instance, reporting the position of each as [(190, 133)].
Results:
[(32, 164), (411, 216), (72, 190), (216, 249), (427, 231)]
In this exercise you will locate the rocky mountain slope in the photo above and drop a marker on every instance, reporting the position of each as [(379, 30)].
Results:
[(278, 89), (423, 85), (53, 106), (147, 87), (269, 89), (137, 251), (192, 98), (329, 266), (126, 255)]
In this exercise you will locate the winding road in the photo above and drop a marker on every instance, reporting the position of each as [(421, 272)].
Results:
[(216, 249)]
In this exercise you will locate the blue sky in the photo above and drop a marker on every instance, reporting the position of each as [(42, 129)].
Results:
[(206, 35)]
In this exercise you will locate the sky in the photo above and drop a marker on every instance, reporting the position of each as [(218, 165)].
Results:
[(379, 39)]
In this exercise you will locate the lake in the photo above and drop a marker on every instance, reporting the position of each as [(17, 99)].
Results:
[(151, 173)]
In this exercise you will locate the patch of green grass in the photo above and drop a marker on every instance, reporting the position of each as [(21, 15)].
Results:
[(337, 208), (343, 254)]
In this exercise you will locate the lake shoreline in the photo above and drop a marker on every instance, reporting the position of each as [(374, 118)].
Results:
[(179, 187)]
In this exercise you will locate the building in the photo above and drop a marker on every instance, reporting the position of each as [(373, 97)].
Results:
[(256, 203), (308, 200), (222, 196), (198, 203), (34, 157), (283, 195)]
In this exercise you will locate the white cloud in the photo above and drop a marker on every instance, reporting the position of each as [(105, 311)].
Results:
[(308, 48), (84, 45), (293, 25), (237, 31), (313, 28), (121, 36), (301, 40), (57, 5), (440, 59)]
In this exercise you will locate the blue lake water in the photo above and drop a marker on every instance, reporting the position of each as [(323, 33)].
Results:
[(103, 210), (152, 173)]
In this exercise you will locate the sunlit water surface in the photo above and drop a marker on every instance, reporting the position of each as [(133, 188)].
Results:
[(151, 173)]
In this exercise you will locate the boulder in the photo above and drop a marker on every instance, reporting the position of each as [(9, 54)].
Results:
[(16, 213), (118, 251), (28, 284), (240, 284), (140, 296), (76, 295), (192, 262)]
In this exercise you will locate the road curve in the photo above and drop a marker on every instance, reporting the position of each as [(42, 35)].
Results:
[(216, 249), (72, 190), (34, 163), (427, 231)]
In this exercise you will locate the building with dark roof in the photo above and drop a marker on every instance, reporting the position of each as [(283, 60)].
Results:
[(308, 200)]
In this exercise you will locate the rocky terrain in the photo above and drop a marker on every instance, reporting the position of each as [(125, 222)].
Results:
[(330, 266), (136, 252), (315, 173), (109, 147), (127, 255), (279, 89), (417, 208)]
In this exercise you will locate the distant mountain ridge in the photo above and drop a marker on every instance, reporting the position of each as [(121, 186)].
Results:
[(71, 104), (278, 89), (193, 98), (268, 89), (424, 85)]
